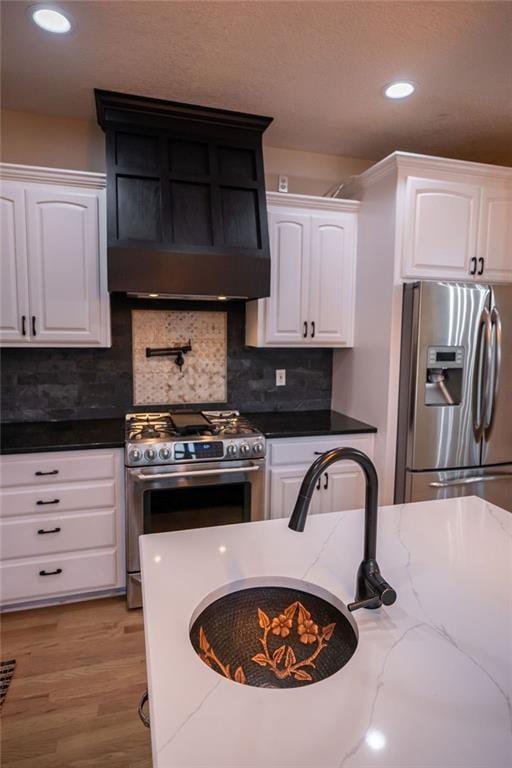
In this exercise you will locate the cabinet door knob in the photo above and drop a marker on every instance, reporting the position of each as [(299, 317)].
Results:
[(472, 270), (326, 481), (305, 332), (34, 325), (480, 266), (23, 325), (313, 329)]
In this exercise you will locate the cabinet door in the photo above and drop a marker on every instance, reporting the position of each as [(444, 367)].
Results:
[(64, 265), (332, 262), (286, 307), (495, 233), (344, 488), (440, 228), (14, 310), (284, 489)]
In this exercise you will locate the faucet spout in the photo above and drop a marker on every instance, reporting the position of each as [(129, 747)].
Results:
[(372, 590)]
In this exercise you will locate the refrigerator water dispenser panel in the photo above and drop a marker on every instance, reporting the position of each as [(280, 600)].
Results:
[(444, 376)]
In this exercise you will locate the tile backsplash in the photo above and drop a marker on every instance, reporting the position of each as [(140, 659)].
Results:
[(44, 384), (203, 376)]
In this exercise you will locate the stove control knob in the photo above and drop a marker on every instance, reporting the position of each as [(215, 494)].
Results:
[(135, 455), (164, 453), (231, 449), (257, 447), (244, 449), (150, 454)]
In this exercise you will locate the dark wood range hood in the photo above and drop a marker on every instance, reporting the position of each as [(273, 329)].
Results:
[(186, 206)]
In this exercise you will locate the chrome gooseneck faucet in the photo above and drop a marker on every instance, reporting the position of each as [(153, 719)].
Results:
[(372, 590)]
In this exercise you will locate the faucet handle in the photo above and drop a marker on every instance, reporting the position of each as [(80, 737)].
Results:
[(369, 602)]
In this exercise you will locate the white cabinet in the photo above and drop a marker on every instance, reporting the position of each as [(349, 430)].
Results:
[(313, 249), (441, 219), (13, 260), (61, 525), (53, 265), (456, 226), (341, 487), (286, 310), (495, 233)]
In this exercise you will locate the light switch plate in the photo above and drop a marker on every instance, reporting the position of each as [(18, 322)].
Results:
[(280, 377)]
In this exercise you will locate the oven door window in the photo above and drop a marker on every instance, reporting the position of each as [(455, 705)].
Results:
[(177, 509)]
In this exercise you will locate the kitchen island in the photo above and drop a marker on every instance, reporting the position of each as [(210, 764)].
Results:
[(430, 683)]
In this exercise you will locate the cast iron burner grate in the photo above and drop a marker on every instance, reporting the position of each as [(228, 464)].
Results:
[(273, 637)]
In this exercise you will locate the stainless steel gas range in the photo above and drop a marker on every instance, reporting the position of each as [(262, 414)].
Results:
[(188, 470)]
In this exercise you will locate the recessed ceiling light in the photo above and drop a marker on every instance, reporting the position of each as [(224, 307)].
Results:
[(399, 90), (50, 19)]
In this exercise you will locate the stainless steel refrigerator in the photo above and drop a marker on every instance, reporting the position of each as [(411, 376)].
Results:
[(455, 406)]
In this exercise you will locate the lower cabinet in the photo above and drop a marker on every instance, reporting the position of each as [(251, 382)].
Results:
[(61, 525), (341, 487)]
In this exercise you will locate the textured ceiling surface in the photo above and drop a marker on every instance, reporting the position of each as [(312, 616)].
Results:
[(317, 67)]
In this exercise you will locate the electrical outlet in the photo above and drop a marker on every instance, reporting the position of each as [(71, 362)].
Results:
[(282, 185), (280, 377)]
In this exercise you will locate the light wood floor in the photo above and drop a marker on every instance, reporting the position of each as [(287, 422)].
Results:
[(73, 700)]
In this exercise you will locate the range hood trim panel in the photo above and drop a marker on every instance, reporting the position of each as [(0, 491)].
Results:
[(135, 271)]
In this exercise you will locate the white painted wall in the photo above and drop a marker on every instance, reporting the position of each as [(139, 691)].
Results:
[(365, 378)]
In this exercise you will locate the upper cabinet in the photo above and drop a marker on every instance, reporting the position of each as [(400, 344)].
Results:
[(456, 221), (53, 259), (313, 251)]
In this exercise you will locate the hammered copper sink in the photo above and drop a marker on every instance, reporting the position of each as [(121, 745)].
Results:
[(274, 636)]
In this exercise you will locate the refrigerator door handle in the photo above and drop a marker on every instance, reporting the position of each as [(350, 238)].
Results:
[(470, 480), (482, 368), (496, 369)]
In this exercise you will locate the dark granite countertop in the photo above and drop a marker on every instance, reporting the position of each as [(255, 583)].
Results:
[(40, 436), (33, 437), (307, 424)]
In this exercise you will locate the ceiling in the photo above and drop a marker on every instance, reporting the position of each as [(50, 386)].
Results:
[(317, 67)]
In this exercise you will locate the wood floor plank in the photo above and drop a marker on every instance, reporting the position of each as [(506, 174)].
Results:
[(79, 677)]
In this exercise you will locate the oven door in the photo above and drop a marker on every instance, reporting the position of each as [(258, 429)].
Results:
[(180, 497)]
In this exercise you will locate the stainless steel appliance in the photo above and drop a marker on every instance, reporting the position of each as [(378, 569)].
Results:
[(455, 407), (188, 470)]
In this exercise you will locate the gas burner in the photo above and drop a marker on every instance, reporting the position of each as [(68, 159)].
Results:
[(170, 438)]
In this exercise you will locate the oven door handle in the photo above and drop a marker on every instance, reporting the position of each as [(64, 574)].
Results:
[(198, 472)]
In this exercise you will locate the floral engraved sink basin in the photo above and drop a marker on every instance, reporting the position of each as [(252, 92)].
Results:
[(274, 636)]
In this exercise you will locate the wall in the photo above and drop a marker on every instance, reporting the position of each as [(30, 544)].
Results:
[(42, 384), (65, 142)]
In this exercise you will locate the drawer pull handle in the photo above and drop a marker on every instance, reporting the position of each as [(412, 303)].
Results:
[(326, 481), (52, 530), (42, 503), (51, 573), (52, 472)]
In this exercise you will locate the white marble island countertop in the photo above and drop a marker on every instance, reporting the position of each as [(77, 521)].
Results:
[(429, 686)]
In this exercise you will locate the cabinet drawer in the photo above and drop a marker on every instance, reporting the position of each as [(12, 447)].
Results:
[(57, 498), (305, 451), (44, 469), (60, 533), (75, 573)]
